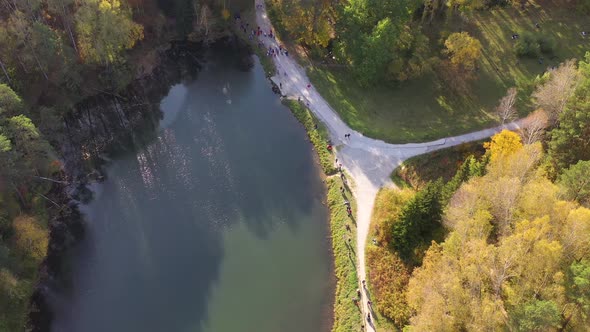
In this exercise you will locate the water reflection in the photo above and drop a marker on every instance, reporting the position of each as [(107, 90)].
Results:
[(216, 225)]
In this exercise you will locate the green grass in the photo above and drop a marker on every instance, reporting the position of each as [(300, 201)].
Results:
[(347, 316), (425, 109), (417, 171), (317, 133)]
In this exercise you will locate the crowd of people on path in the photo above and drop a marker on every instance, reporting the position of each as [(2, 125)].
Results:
[(357, 300)]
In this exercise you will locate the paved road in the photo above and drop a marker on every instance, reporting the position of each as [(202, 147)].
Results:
[(368, 161)]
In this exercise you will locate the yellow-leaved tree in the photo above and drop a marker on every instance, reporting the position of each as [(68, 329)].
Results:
[(503, 144), (104, 30), (517, 257), (31, 239), (463, 50)]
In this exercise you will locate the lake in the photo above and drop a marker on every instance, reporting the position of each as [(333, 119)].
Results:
[(217, 225)]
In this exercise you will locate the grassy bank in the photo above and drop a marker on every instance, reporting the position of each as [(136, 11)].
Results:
[(317, 133), (417, 171), (347, 315)]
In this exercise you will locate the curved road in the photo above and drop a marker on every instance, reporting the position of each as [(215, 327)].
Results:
[(368, 161)]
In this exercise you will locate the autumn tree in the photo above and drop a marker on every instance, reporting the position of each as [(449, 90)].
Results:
[(533, 127), (553, 95), (30, 237), (463, 50), (506, 111), (506, 271), (503, 144), (388, 275), (307, 22), (104, 30)]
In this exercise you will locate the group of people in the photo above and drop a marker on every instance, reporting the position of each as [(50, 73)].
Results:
[(276, 51), (348, 208), (369, 303)]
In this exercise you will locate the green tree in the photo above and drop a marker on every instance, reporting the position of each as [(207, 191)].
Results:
[(33, 150), (537, 315), (9, 100), (371, 38), (570, 141), (418, 221), (579, 290), (575, 182)]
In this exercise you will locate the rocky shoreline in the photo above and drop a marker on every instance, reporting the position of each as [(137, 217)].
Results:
[(103, 126)]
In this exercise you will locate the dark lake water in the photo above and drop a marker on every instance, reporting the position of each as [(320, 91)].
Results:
[(217, 225)]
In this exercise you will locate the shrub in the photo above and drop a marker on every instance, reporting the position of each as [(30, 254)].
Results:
[(546, 44), (584, 6), (532, 45), (388, 206), (389, 279), (527, 45), (31, 238)]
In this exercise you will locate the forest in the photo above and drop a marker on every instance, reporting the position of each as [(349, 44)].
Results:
[(504, 243), (501, 243), (53, 55)]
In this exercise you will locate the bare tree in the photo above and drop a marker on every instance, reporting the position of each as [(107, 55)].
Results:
[(506, 110), (203, 18), (533, 126), (552, 96), (5, 72)]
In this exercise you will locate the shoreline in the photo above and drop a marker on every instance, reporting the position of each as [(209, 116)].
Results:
[(346, 315)]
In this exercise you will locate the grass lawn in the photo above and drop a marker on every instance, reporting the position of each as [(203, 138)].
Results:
[(425, 109)]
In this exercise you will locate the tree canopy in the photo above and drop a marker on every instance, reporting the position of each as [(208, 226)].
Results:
[(104, 30), (463, 50), (570, 141), (511, 259)]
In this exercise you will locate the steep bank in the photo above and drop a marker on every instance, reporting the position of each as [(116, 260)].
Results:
[(102, 126)]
